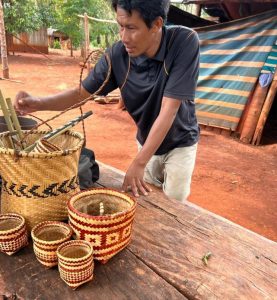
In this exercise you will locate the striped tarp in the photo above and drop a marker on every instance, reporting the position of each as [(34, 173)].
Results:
[(271, 61), (232, 56)]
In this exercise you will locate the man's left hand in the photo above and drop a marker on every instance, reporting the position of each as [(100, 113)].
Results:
[(134, 180)]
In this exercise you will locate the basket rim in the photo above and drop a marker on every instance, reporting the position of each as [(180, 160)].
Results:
[(44, 224), (22, 153), (105, 217), (75, 242), (13, 216)]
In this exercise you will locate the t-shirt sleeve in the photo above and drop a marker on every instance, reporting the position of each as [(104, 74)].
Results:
[(97, 76), (183, 73)]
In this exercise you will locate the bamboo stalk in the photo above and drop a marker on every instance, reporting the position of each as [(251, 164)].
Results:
[(14, 118), (15, 121), (51, 135), (7, 118), (265, 111)]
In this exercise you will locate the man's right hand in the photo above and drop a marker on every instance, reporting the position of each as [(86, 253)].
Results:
[(24, 103)]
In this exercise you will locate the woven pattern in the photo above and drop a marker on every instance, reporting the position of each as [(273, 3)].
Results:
[(44, 146), (13, 233), (75, 261), (109, 233), (47, 237), (38, 185)]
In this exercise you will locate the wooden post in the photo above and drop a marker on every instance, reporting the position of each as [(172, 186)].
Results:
[(254, 111), (4, 54), (265, 111), (198, 10), (87, 51)]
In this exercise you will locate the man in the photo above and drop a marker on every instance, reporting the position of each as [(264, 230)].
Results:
[(156, 69)]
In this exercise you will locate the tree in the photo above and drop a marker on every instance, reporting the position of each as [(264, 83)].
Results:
[(27, 15), (69, 22), (3, 44)]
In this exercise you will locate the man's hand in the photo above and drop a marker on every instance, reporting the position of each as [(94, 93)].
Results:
[(25, 103), (134, 180)]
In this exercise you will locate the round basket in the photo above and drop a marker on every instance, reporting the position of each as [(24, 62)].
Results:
[(110, 232), (47, 237), (75, 261), (13, 233), (38, 185)]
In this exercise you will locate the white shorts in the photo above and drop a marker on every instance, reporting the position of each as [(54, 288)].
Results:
[(172, 171)]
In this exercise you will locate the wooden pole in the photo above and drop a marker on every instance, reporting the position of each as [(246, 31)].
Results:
[(87, 51), (252, 116), (265, 111), (198, 10), (4, 54)]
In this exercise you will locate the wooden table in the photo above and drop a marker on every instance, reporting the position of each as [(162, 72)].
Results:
[(163, 261)]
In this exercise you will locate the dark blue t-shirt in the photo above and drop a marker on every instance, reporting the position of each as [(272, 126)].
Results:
[(143, 82)]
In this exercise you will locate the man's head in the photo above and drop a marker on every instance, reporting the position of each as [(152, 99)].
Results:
[(140, 23)]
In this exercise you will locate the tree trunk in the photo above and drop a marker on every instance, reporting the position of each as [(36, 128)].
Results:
[(71, 48), (4, 55)]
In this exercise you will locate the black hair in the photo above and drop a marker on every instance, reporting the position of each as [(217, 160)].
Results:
[(148, 9)]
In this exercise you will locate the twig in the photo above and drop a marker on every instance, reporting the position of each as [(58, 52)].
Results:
[(206, 257), (12, 80)]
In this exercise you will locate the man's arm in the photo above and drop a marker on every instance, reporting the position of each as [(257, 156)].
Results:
[(25, 103), (161, 126)]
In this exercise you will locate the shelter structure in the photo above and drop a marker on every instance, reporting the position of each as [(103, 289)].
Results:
[(29, 42), (237, 85), (233, 55)]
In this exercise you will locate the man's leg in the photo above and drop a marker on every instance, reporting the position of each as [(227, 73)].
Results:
[(154, 171), (179, 164)]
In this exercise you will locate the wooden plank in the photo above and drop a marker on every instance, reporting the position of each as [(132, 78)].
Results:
[(123, 277), (171, 238)]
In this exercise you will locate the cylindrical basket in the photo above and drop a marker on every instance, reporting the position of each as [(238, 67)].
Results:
[(13, 233), (47, 237), (75, 261), (110, 232), (38, 185)]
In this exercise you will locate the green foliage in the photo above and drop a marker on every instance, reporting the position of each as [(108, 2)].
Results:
[(26, 15), (69, 22), (30, 15), (57, 45)]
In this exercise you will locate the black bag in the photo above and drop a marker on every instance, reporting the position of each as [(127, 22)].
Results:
[(88, 169)]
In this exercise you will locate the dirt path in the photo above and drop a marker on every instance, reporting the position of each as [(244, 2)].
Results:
[(233, 180)]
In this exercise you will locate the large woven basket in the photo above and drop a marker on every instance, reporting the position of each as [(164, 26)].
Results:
[(13, 233), (108, 233), (75, 261), (38, 185), (47, 237)]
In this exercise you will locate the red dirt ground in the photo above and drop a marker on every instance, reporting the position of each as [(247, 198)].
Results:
[(236, 181)]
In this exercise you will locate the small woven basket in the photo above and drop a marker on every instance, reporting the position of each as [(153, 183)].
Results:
[(110, 232), (75, 261), (13, 233), (47, 237), (38, 185)]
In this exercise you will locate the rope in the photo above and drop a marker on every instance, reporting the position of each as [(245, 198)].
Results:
[(80, 103)]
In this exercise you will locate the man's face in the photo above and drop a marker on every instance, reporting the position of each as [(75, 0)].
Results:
[(135, 35)]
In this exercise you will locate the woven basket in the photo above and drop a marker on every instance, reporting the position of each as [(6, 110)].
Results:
[(75, 262), (109, 233), (38, 185), (13, 233), (47, 237)]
